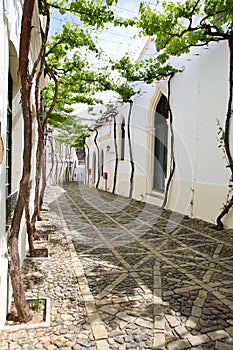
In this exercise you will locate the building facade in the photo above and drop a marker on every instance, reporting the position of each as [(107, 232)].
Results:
[(11, 132), (62, 163), (158, 143)]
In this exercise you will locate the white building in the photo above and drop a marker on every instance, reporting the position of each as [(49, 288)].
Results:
[(61, 161), (11, 132), (198, 100)]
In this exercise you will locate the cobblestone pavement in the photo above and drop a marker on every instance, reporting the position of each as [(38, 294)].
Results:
[(125, 275)]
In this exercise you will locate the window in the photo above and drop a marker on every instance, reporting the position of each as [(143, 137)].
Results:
[(9, 137), (160, 144), (122, 140)]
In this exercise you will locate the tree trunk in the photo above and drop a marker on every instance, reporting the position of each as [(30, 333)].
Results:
[(40, 122), (43, 185), (173, 163), (39, 153), (23, 312), (98, 159), (30, 231), (87, 165), (116, 157), (130, 151), (229, 203), (50, 175)]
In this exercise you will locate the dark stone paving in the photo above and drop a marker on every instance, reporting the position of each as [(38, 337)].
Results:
[(145, 278)]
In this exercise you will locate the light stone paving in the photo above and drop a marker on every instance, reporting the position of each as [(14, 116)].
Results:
[(126, 275)]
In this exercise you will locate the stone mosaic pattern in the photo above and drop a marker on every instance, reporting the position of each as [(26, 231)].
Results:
[(124, 275)]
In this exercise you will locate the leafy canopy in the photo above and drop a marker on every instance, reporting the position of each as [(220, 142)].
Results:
[(174, 26)]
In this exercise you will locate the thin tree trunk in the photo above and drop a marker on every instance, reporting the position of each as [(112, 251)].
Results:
[(52, 160), (87, 164), (98, 158), (30, 231), (56, 170), (116, 156), (39, 153), (130, 150), (40, 124), (229, 203), (61, 167), (43, 185), (22, 308), (173, 163)]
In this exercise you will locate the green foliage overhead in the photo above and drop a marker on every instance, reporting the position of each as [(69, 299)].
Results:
[(90, 12), (177, 26), (72, 132), (174, 27)]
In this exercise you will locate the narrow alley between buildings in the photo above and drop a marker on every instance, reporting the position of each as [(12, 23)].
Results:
[(123, 274)]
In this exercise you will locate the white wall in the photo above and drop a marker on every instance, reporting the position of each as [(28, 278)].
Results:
[(199, 98), (58, 156)]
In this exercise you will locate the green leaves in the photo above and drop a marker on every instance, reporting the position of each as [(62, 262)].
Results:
[(72, 132), (177, 26)]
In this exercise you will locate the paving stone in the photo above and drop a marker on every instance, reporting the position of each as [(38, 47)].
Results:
[(115, 333), (102, 345), (218, 334), (108, 309), (196, 311), (125, 317), (229, 330), (220, 345), (182, 331), (99, 331), (198, 339), (83, 342), (173, 322), (179, 345), (128, 338), (192, 322), (131, 346), (144, 323), (119, 340)]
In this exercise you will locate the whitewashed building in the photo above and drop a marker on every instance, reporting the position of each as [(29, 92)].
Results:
[(11, 131), (198, 100), (62, 164)]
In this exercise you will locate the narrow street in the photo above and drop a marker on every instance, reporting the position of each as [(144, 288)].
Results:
[(161, 280), (141, 278)]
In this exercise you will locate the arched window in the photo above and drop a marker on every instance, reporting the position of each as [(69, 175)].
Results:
[(94, 168), (122, 140), (161, 141)]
